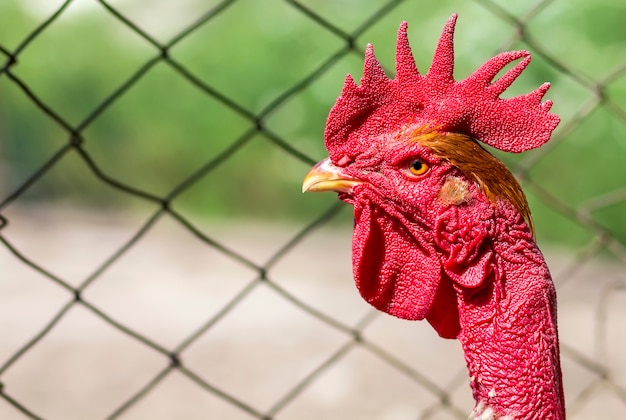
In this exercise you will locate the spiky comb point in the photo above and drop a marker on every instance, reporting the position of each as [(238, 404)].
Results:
[(472, 106)]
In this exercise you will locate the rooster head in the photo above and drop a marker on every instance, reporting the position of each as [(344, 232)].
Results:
[(426, 194)]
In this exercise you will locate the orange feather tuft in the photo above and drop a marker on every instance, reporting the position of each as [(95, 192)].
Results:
[(478, 165)]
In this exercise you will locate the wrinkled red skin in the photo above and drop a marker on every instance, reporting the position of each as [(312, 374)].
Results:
[(472, 270)]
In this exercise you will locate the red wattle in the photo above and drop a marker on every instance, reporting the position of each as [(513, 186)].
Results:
[(392, 269)]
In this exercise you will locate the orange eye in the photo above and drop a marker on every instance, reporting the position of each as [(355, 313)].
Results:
[(417, 167)]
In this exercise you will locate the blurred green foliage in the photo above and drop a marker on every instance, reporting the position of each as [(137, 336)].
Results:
[(163, 128)]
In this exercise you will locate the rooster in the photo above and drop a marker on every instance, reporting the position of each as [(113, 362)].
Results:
[(443, 231)]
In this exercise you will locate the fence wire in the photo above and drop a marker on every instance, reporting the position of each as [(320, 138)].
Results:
[(604, 381)]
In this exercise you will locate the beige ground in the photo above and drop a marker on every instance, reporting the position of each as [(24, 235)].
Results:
[(170, 283)]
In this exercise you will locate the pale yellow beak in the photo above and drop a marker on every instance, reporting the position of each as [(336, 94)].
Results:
[(325, 176)]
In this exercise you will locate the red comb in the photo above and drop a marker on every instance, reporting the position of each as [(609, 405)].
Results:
[(471, 106)]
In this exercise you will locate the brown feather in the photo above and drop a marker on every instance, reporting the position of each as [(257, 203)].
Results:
[(478, 165)]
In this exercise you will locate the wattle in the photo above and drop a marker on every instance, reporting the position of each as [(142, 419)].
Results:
[(394, 266)]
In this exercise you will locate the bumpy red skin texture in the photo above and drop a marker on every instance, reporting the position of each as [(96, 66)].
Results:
[(471, 269), (475, 273), (508, 322), (393, 245)]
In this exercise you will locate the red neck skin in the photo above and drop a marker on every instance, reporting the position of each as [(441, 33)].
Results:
[(509, 335), (476, 275)]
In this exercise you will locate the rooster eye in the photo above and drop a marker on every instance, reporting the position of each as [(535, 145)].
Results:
[(417, 167)]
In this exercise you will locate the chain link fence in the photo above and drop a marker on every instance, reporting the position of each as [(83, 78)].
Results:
[(147, 310)]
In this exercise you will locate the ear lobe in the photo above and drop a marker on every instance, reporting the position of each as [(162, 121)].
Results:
[(454, 191), (464, 235)]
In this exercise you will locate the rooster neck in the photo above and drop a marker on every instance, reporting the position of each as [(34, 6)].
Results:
[(509, 336)]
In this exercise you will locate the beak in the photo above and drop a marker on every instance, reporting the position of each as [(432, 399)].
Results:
[(325, 176)]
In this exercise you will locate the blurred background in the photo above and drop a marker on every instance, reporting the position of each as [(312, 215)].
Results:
[(159, 261)]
